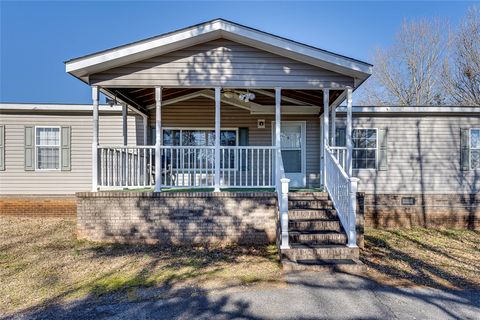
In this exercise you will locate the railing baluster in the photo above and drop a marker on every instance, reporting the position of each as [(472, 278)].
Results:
[(240, 169), (257, 169)]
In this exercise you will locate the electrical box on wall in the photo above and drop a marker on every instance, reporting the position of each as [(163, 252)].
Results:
[(261, 124)]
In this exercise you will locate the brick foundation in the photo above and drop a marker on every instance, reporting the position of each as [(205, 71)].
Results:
[(430, 210), (177, 217), (38, 207)]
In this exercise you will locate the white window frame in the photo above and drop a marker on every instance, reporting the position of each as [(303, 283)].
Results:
[(470, 148), (59, 147), (235, 168), (376, 149)]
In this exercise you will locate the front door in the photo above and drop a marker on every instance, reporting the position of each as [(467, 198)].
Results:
[(293, 151)]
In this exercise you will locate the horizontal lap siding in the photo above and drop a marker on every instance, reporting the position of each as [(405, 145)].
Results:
[(221, 63), (15, 180), (200, 113), (423, 155)]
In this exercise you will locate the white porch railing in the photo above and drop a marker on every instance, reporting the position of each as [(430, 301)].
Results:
[(343, 191), (340, 154), (186, 166), (247, 167), (282, 196), (125, 166)]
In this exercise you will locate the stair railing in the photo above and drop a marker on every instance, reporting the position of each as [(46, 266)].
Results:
[(282, 196), (342, 190)]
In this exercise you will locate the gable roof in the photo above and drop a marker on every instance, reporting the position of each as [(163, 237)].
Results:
[(211, 30)]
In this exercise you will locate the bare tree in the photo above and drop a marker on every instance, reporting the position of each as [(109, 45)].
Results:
[(461, 73), (408, 73)]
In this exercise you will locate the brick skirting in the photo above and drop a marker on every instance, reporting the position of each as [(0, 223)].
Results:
[(430, 210), (38, 206), (177, 217)]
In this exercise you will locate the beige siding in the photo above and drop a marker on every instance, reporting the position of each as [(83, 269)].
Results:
[(15, 180), (200, 113), (221, 63), (423, 155)]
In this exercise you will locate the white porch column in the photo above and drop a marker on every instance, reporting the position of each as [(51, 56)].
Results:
[(278, 123), (158, 132), (125, 124), (326, 102), (217, 138), (349, 133), (352, 214), (95, 96), (333, 125)]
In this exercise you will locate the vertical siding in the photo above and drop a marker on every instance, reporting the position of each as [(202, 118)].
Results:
[(15, 180), (200, 113), (423, 155)]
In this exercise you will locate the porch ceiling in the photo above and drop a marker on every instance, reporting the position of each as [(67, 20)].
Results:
[(140, 98)]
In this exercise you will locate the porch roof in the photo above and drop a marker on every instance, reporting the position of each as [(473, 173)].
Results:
[(221, 53), (215, 29)]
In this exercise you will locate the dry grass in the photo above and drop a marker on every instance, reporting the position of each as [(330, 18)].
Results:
[(435, 258), (41, 262)]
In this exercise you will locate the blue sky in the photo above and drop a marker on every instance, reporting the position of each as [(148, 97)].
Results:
[(37, 37)]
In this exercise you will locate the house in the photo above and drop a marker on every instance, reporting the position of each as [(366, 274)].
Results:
[(220, 107)]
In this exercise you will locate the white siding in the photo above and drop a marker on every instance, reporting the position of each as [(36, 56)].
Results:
[(423, 155), (221, 63), (15, 180)]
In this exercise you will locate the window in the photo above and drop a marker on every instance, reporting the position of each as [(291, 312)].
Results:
[(291, 143), (408, 201), (186, 137), (196, 158), (475, 148), (364, 148), (47, 148)]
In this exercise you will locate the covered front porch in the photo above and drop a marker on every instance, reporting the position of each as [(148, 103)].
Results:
[(227, 106), (248, 141)]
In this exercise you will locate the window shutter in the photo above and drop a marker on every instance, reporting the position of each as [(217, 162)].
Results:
[(29, 147), (341, 137), (243, 141), (383, 149), (66, 153), (153, 136), (243, 136), (464, 149), (2, 148)]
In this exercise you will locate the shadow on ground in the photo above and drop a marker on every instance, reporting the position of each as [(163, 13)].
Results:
[(307, 296)]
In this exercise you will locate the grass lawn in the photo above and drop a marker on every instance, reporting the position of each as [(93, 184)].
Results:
[(435, 258), (42, 262)]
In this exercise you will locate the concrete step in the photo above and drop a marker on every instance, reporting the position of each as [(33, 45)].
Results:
[(314, 252), (295, 214), (308, 196), (351, 266), (317, 237), (315, 225), (310, 204)]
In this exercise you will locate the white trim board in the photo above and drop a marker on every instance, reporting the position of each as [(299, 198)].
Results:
[(57, 107), (412, 109)]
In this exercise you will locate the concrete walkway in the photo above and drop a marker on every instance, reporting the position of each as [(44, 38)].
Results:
[(307, 296)]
